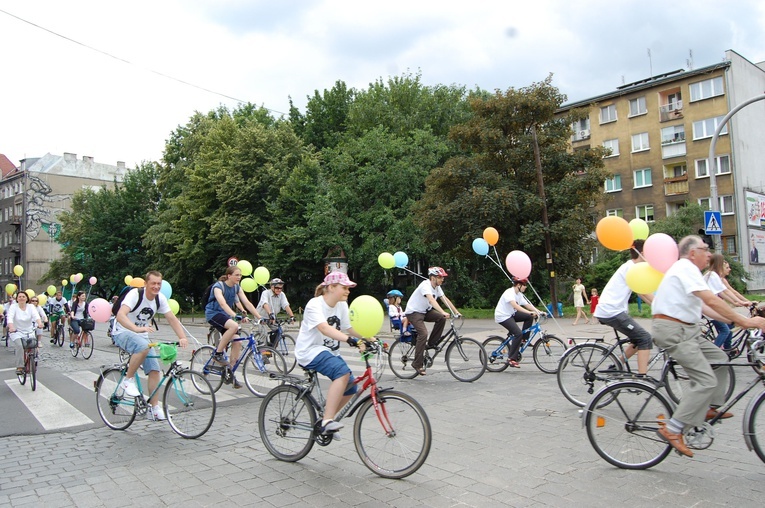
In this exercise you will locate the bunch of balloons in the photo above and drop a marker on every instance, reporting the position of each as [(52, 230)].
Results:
[(517, 262), (260, 276), (388, 260)]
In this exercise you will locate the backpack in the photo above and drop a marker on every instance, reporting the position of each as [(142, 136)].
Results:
[(116, 305), (207, 294)]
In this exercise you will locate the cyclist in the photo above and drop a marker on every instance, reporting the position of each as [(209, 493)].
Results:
[(326, 323), (131, 333), (22, 319), (423, 306), (512, 309), (713, 276), (78, 312), (613, 311), (273, 301), (677, 308), (59, 310), (43, 317), (219, 313)]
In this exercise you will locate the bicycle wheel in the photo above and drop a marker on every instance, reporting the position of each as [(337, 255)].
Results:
[(60, 334), (263, 372), (755, 425), (189, 404), (496, 354), (580, 371), (466, 359), (286, 347), (32, 369), (400, 358), (124, 355), (116, 409), (623, 429), (678, 382), (393, 440), (200, 362), (23, 376), (76, 348), (286, 421), (87, 345), (547, 353)]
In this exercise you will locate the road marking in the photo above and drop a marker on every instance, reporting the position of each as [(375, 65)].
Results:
[(50, 410)]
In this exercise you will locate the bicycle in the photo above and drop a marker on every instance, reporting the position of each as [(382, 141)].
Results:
[(391, 432), (282, 342), (465, 357), (29, 342), (82, 340), (739, 340), (60, 332), (188, 400), (258, 364), (622, 420), (547, 350), (590, 363)]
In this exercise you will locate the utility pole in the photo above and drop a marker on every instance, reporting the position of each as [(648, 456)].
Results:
[(545, 221)]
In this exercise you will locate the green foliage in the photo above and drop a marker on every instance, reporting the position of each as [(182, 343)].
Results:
[(686, 221)]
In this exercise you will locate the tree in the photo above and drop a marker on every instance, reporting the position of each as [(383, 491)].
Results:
[(494, 183)]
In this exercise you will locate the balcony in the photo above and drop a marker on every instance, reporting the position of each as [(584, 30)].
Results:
[(581, 134), (671, 111), (676, 185)]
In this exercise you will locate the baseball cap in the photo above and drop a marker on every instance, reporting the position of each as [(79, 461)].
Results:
[(338, 278)]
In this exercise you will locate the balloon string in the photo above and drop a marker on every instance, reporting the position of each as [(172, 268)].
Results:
[(550, 311), (413, 273), (499, 264)]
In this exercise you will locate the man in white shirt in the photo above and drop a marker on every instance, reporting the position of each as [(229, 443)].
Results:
[(423, 306), (677, 308), (273, 300)]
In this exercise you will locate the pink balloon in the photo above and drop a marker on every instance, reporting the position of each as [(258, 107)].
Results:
[(660, 250), (100, 310), (92, 281), (518, 263)]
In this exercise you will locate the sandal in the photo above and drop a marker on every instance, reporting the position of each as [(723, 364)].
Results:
[(513, 363), (421, 372)]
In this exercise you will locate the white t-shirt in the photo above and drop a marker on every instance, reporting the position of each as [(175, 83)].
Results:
[(24, 321), (143, 313), (418, 302), (277, 303), (504, 309), (395, 312), (57, 305), (310, 341), (616, 295), (675, 296), (714, 282)]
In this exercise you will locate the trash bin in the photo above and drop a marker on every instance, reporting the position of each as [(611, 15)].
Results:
[(560, 310)]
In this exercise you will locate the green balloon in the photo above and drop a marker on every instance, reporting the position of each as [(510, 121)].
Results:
[(386, 260), (366, 314), (248, 284)]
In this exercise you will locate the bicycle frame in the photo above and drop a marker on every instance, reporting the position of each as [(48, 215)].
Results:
[(250, 346)]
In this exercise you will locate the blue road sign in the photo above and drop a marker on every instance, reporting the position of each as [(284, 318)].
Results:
[(712, 223)]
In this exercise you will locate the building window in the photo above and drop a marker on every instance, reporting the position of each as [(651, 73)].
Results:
[(608, 114), (640, 142), (613, 145), (581, 129), (725, 204), (722, 163), (637, 106), (706, 89), (642, 177), (729, 245), (672, 141), (706, 128), (614, 184), (644, 212), (615, 212)]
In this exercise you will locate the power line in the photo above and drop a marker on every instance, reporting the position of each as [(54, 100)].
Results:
[(105, 53)]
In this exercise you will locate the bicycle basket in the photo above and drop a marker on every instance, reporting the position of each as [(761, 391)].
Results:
[(168, 352), (28, 342), (87, 324)]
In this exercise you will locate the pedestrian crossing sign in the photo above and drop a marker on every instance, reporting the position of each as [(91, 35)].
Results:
[(712, 223)]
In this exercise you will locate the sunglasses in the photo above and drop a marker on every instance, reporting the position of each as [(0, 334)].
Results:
[(278, 288), (35, 300)]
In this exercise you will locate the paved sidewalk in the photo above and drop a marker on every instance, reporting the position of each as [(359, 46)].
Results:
[(509, 439)]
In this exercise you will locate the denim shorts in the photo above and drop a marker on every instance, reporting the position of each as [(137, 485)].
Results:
[(135, 343), (334, 367)]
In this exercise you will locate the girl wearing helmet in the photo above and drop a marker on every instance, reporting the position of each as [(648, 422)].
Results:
[(423, 306)]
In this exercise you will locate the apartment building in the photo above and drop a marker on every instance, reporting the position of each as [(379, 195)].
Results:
[(659, 131)]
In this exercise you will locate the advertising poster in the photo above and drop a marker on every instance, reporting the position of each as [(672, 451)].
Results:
[(755, 209), (756, 247)]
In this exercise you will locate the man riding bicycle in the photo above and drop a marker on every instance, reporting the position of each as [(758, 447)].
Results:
[(59, 310)]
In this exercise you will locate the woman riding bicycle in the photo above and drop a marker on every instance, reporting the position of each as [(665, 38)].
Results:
[(22, 320), (78, 312)]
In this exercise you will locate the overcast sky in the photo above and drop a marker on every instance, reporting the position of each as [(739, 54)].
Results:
[(60, 96)]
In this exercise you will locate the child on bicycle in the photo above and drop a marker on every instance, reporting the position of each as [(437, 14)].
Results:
[(398, 319), (59, 309), (326, 323)]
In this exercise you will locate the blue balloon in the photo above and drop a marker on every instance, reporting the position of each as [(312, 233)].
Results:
[(401, 259), (166, 289), (480, 246)]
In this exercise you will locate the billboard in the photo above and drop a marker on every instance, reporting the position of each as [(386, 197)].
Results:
[(756, 247), (755, 209)]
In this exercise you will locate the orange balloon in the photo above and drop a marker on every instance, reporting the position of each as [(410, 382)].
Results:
[(491, 236), (614, 233), (137, 282)]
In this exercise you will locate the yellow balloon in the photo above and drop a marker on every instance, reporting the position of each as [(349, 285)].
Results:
[(366, 315), (51, 290), (643, 279), (10, 288), (30, 293), (261, 275), (248, 284), (386, 260), (42, 299), (174, 306), (64, 282), (245, 267), (18, 270), (639, 229), (128, 279), (72, 278)]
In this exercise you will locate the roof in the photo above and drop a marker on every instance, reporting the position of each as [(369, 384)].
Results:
[(651, 82), (6, 166), (69, 165)]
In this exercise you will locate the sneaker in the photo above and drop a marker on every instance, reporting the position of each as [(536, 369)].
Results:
[(236, 384), (331, 426), (155, 414), (71, 345), (53, 341), (220, 357), (130, 388)]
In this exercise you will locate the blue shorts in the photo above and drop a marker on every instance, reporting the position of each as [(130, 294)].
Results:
[(334, 367), (134, 343), (219, 321)]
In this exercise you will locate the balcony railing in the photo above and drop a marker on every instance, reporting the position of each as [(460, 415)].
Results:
[(671, 111), (676, 185)]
